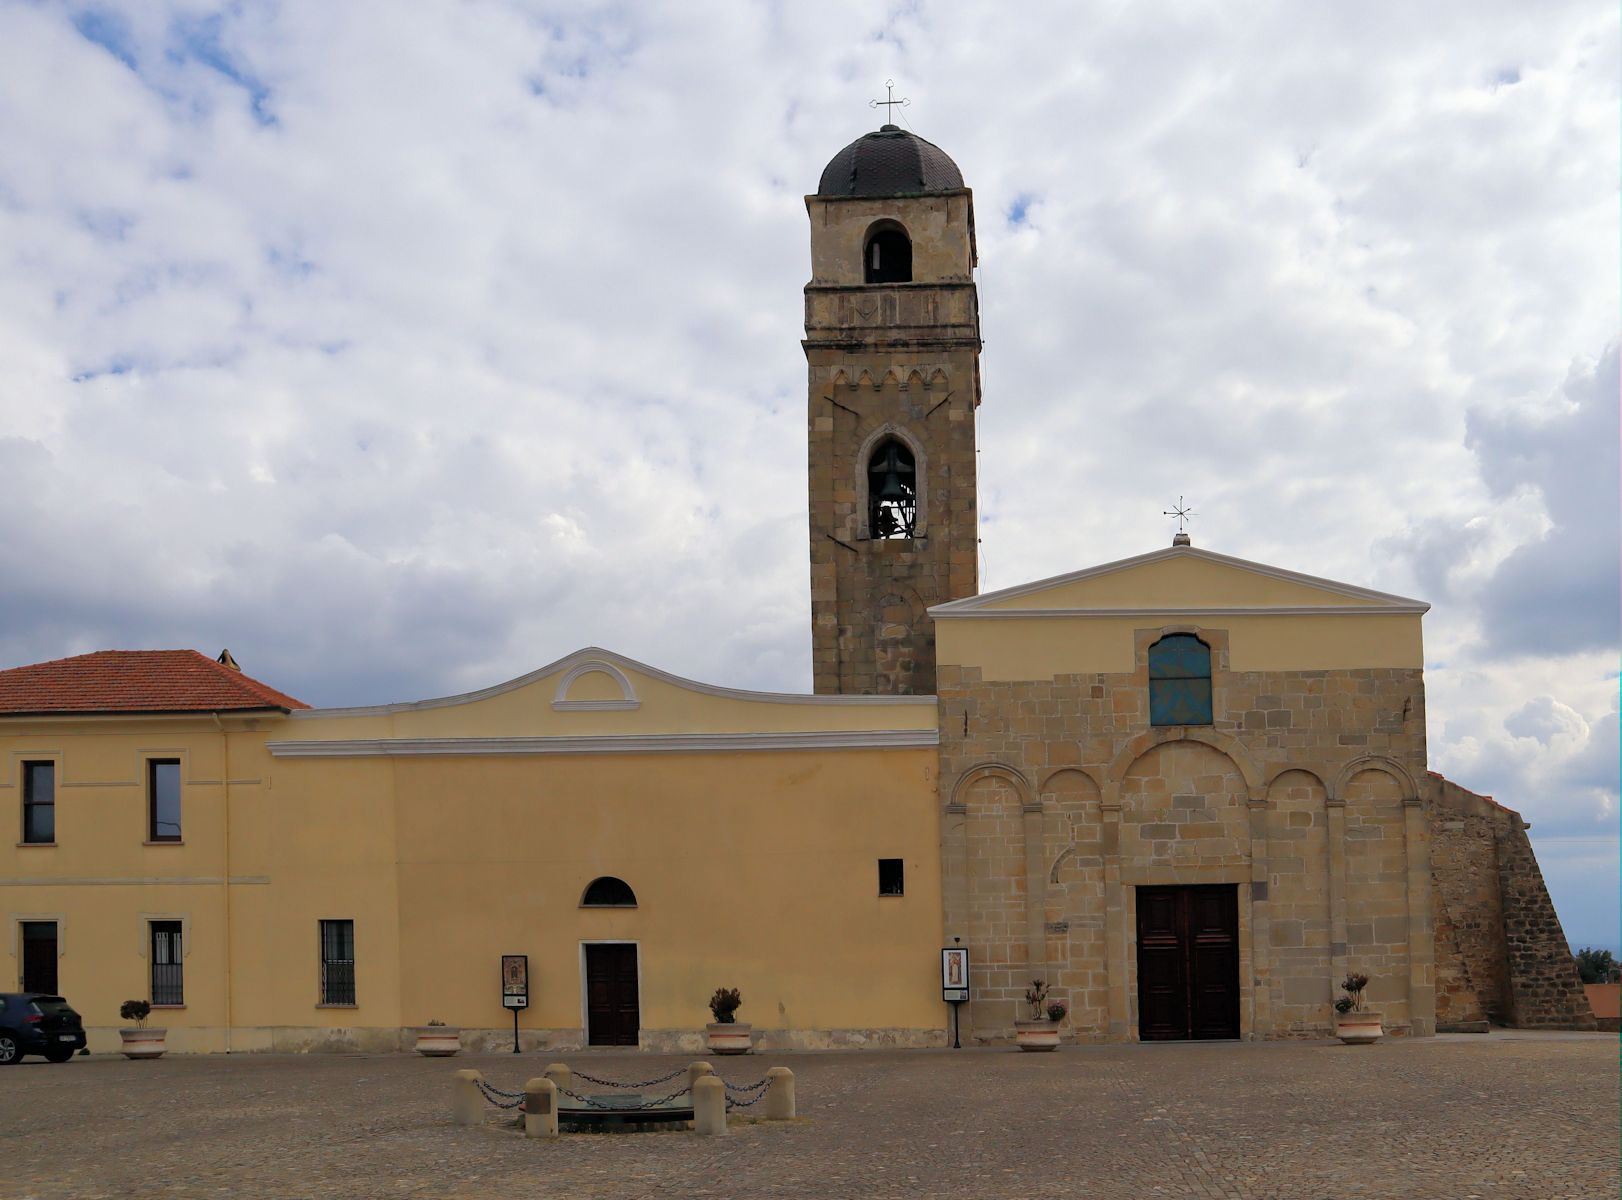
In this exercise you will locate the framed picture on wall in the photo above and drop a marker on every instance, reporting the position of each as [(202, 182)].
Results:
[(515, 981), (955, 974)]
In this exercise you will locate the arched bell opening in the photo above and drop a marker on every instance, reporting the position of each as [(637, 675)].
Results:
[(887, 254), (892, 492)]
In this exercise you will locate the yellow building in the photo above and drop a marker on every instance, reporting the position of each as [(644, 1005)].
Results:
[(1187, 791)]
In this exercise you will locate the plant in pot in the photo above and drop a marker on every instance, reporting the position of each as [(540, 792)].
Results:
[(728, 1035), (141, 1041), (1356, 1024), (438, 1040), (1041, 1032)]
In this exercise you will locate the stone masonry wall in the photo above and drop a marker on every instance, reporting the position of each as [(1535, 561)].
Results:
[(1512, 951), (1300, 795)]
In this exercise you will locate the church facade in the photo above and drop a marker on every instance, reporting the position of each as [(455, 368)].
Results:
[(1187, 791)]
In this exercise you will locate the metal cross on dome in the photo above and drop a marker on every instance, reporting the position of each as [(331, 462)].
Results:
[(1179, 510), (890, 103)]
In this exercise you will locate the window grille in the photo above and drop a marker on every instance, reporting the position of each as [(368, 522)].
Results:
[(337, 962), (168, 982)]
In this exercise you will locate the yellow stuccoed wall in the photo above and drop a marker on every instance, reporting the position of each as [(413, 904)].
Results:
[(754, 868)]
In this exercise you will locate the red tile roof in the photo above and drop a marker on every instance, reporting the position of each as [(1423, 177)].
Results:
[(135, 681)]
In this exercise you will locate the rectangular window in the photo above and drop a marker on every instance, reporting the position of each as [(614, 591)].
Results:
[(39, 957), (163, 800), (39, 802), (168, 986), (892, 880), (337, 962)]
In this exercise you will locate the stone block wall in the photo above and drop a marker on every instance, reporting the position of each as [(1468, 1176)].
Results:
[(1301, 795), (1507, 960)]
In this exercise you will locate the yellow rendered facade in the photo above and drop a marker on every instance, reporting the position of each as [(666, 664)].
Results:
[(453, 832)]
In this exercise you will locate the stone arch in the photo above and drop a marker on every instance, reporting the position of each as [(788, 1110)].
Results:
[(920, 463), (1373, 762), (893, 244), (1185, 805), (938, 378), (841, 378), (1224, 743), (965, 781), (914, 376), (866, 377)]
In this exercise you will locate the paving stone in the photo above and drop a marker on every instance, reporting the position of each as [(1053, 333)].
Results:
[(1499, 1117)]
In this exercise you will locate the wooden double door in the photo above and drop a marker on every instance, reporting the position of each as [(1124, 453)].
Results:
[(613, 1012), (1188, 962)]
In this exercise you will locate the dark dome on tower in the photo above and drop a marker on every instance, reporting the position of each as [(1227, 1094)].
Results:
[(890, 162)]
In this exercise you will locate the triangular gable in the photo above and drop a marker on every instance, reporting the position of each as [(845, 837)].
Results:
[(1180, 579)]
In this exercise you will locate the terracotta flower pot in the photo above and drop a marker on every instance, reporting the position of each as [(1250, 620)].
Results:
[(735, 1038), (438, 1041), (143, 1043), (1036, 1035), (1359, 1028)]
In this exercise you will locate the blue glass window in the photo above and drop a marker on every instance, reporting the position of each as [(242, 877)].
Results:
[(1180, 681)]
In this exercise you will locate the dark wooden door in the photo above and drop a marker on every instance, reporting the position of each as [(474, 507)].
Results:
[(612, 1014), (39, 956), (1188, 962)]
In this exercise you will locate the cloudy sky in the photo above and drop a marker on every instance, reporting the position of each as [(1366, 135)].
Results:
[(406, 348)]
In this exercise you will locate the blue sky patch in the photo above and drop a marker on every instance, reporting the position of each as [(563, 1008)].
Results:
[(198, 40), (1017, 210), (109, 31)]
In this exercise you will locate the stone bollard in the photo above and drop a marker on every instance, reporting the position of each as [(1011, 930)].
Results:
[(560, 1075), (779, 1094), (709, 1105), (541, 1108), (696, 1070), (467, 1103)]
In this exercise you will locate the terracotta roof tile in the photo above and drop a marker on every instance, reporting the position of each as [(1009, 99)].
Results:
[(125, 681)]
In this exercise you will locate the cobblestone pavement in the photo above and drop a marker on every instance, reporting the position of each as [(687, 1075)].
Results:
[(1489, 1117)]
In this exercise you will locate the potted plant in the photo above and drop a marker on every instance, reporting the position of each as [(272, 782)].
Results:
[(1354, 1024), (728, 1035), (140, 1042), (438, 1040), (1041, 1032)]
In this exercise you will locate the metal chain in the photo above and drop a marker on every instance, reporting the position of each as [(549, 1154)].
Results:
[(731, 1103), (514, 1099), (630, 1086), (746, 1087), (651, 1104)]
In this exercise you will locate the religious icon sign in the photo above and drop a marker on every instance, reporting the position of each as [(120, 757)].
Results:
[(515, 981), (955, 974)]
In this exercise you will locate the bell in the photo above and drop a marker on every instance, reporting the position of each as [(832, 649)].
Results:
[(893, 490)]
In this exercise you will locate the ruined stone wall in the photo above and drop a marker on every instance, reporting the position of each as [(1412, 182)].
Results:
[(1504, 957), (1300, 795)]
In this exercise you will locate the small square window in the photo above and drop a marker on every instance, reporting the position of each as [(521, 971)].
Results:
[(892, 878)]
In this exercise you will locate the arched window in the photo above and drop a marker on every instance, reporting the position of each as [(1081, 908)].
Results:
[(892, 491), (608, 892), (1179, 681), (887, 256)]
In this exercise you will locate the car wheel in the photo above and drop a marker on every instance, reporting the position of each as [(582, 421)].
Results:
[(62, 1055), (9, 1051)]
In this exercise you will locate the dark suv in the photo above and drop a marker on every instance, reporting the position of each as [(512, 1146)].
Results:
[(34, 1023)]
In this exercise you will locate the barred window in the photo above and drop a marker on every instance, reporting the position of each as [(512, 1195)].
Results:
[(1180, 681), (337, 962), (168, 982)]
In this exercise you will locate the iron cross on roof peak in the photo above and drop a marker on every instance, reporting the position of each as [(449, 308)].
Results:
[(889, 103), (1183, 513)]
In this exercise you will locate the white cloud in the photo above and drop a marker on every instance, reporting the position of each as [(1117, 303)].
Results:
[(403, 356)]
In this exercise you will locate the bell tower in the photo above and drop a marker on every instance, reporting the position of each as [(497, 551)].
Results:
[(892, 345)]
